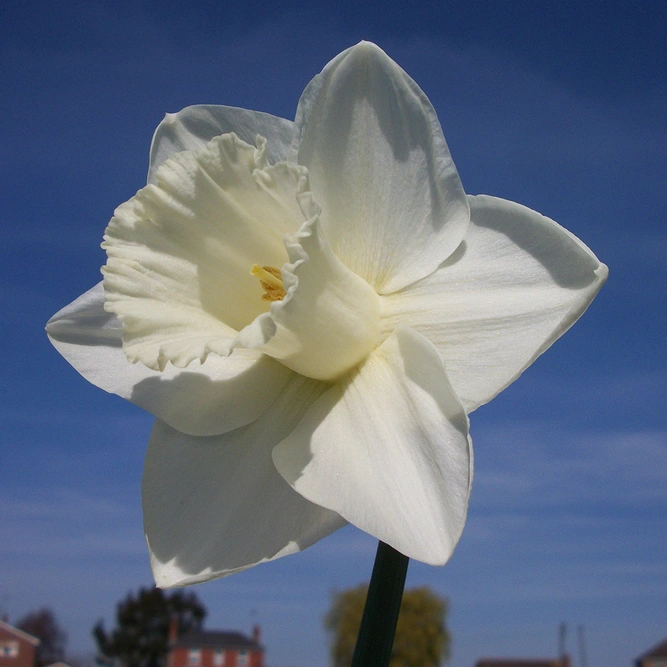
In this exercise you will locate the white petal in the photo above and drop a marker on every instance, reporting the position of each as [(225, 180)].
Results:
[(328, 321), (180, 251), (193, 127), (393, 207), (222, 394), (515, 285), (216, 505), (388, 449)]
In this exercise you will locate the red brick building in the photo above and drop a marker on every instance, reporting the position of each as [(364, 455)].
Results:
[(17, 648), (216, 649)]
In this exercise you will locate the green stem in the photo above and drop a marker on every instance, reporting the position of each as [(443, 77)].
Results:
[(378, 624)]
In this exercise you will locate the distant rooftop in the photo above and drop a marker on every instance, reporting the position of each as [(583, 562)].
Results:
[(659, 651), (224, 640), (19, 633), (518, 662)]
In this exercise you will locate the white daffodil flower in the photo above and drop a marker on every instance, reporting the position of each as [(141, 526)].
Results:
[(310, 310)]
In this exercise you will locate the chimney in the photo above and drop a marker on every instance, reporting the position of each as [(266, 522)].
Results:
[(256, 633), (173, 636), (173, 629)]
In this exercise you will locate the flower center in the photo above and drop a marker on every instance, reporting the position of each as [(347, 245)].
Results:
[(271, 282), (323, 320)]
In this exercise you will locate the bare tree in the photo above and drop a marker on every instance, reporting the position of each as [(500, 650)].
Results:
[(53, 639), (140, 638)]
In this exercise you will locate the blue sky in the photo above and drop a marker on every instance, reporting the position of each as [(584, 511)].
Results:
[(559, 106)]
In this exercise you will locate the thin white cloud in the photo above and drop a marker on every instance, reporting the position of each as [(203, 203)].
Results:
[(68, 525), (544, 465)]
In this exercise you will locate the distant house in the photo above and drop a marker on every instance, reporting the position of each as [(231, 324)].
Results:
[(17, 648), (216, 649), (524, 662), (655, 657)]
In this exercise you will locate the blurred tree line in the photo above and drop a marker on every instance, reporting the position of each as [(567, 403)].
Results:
[(140, 637)]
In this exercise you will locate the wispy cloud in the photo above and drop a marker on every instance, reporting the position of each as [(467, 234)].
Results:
[(67, 524), (544, 465)]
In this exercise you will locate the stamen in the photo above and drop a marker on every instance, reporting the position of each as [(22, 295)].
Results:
[(271, 282)]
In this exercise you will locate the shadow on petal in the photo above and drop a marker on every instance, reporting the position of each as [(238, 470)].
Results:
[(87, 324), (232, 392), (375, 153), (569, 262), (455, 257), (418, 369), (216, 505)]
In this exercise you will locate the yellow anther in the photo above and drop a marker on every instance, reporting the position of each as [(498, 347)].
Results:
[(271, 282)]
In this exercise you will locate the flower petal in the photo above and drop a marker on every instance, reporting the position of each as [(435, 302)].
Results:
[(393, 207), (516, 284), (328, 321), (220, 395), (180, 251), (193, 127), (214, 506), (388, 449)]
